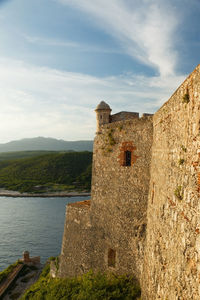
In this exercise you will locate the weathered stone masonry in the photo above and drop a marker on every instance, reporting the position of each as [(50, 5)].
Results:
[(76, 247), (172, 256), (118, 193), (144, 214)]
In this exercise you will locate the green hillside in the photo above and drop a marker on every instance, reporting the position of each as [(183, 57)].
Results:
[(47, 144), (23, 154), (46, 173)]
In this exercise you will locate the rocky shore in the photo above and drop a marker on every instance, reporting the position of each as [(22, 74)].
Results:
[(7, 193)]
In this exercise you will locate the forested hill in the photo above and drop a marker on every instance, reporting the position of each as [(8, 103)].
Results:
[(47, 172), (25, 154), (47, 144)]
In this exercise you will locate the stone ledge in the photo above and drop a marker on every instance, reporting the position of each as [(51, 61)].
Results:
[(81, 204)]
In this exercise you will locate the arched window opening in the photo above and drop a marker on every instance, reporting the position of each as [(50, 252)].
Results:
[(111, 258)]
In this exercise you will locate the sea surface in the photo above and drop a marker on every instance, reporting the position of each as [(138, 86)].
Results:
[(33, 224)]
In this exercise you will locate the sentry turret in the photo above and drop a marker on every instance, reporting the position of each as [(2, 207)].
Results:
[(103, 111)]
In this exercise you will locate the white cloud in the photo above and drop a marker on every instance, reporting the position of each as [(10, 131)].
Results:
[(38, 101), (145, 28)]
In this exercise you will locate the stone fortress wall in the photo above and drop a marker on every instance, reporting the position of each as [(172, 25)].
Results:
[(143, 217), (103, 235), (120, 192), (172, 258)]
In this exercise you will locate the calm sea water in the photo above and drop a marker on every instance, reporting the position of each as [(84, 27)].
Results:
[(33, 224)]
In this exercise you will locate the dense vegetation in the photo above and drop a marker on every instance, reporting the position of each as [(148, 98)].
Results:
[(24, 154), (50, 172), (5, 273), (86, 287)]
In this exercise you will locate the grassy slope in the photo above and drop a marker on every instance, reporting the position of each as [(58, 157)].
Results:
[(87, 287), (56, 171)]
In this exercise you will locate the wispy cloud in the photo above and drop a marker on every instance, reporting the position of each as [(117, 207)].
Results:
[(145, 28), (50, 42), (38, 101), (68, 44)]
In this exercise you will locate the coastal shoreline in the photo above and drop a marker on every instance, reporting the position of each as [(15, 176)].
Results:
[(15, 194)]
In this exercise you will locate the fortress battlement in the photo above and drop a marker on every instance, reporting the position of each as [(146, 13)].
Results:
[(103, 115), (143, 217)]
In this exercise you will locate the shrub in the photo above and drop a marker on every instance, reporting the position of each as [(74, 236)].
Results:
[(186, 98), (178, 192), (111, 139), (181, 161), (88, 286), (183, 148)]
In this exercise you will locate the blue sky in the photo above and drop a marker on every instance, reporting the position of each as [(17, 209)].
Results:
[(59, 58)]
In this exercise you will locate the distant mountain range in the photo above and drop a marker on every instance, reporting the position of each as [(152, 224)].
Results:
[(47, 144)]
